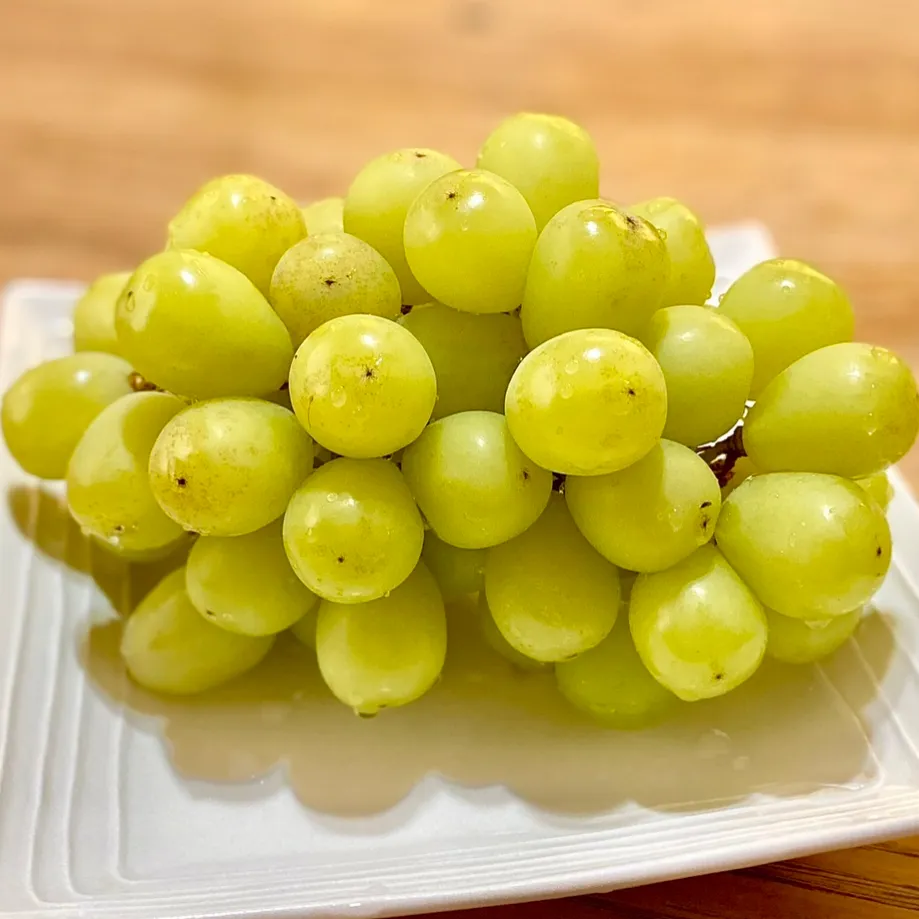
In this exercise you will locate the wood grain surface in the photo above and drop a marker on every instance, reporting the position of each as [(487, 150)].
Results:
[(803, 113)]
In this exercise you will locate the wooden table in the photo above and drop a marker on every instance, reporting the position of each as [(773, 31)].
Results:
[(804, 113)]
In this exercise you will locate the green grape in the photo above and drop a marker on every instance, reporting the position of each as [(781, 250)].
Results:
[(708, 365), (849, 409), (331, 275), (692, 269), (362, 386), (697, 627), (108, 488), (304, 629), (474, 356), (468, 240), (94, 314), (741, 471), (551, 594), (799, 641), (387, 652), (241, 220), (651, 514), (498, 643), (352, 531), (228, 467), (472, 483), (47, 409), (587, 402), (378, 200), (324, 216), (786, 309), (878, 486), (197, 327), (612, 685), (169, 647), (594, 266), (245, 583), (457, 571), (549, 159), (809, 545)]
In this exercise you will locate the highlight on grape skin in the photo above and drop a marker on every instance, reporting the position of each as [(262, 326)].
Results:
[(477, 386)]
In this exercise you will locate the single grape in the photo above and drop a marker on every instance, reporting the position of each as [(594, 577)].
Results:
[(243, 221), (799, 641), (168, 647), (245, 583), (878, 486), (387, 652), (594, 267), (468, 240), (379, 198), (697, 627), (94, 314), (651, 514), (47, 409), (108, 488), (708, 365), (331, 275), (850, 409), (228, 467), (474, 356), (786, 309), (324, 216), (551, 594), (457, 571), (197, 327), (472, 483), (352, 531), (692, 268), (810, 546), (498, 643), (612, 685), (587, 402), (304, 629), (549, 159), (362, 386)]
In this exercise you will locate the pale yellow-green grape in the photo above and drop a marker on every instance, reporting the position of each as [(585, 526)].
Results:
[(457, 571), (474, 356), (362, 386), (243, 221), (498, 643), (324, 216), (612, 685), (708, 365), (352, 531), (46, 411), (108, 488), (809, 545), (697, 627), (551, 594), (651, 514), (742, 470), (94, 314), (799, 641), (379, 198), (198, 327), (878, 486), (549, 159), (850, 409), (692, 269), (387, 652), (331, 275), (227, 467), (174, 551), (472, 483), (587, 402), (594, 267), (168, 646), (786, 309), (245, 583), (468, 240), (304, 629)]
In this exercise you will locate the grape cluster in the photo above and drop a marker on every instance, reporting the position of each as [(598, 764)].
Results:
[(473, 381)]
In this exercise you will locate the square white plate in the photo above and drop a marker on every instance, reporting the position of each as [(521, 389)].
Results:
[(269, 798)]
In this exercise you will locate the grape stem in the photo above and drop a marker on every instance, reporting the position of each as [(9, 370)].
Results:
[(139, 384), (723, 454)]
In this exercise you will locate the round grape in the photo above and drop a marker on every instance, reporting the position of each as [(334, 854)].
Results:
[(798, 641), (458, 572), (324, 216), (94, 314)]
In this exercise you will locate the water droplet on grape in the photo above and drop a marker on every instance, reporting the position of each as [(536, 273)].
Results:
[(339, 397), (571, 367)]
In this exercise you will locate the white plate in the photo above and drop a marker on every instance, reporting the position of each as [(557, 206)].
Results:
[(113, 804)]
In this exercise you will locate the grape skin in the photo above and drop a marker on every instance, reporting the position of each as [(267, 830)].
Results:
[(499, 644), (94, 314), (324, 216), (458, 572), (798, 641)]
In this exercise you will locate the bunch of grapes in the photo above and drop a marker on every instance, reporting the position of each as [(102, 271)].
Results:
[(473, 381)]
